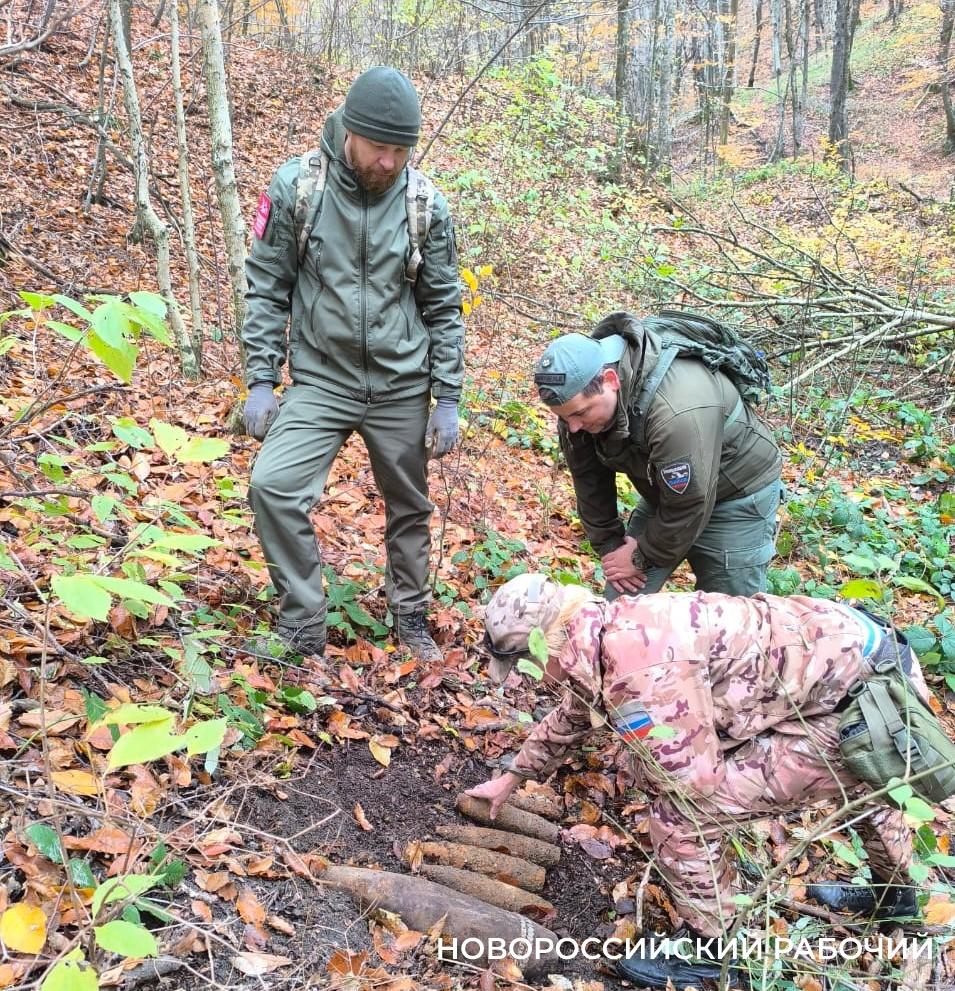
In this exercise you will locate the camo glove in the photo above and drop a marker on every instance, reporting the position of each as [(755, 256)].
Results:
[(261, 409), (441, 434)]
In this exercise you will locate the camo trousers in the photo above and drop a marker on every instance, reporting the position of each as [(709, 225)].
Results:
[(767, 775)]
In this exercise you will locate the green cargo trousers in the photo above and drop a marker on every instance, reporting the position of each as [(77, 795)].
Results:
[(732, 553), (289, 477)]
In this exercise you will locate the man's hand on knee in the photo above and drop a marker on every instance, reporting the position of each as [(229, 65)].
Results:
[(620, 570)]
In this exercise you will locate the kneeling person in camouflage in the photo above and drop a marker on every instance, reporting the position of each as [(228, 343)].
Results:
[(748, 694), (353, 278)]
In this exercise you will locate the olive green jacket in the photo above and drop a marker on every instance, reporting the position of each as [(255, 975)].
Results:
[(347, 319), (692, 460)]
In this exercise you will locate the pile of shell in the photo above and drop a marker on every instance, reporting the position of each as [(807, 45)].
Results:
[(502, 861)]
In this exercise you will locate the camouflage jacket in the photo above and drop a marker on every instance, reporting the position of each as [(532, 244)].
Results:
[(685, 677)]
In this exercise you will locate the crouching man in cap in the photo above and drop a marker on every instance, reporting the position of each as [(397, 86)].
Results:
[(746, 695), (706, 466), (353, 279)]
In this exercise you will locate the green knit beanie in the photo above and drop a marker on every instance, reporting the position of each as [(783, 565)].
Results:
[(382, 105)]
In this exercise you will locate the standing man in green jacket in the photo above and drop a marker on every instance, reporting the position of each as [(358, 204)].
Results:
[(353, 280), (705, 465)]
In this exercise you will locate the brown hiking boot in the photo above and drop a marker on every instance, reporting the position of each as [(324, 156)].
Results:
[(411, 630)]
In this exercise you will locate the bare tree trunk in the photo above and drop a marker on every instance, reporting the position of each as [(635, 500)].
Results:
[(220, 122), (839, 86), (286, 29), (759, 34), (776, 15), (799, 107), (664, 138), (729, 12), (146, 217), (946, 74), (97, 183), (620, 81), (188, 224)]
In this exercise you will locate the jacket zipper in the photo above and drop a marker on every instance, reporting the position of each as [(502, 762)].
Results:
[(363, 293)]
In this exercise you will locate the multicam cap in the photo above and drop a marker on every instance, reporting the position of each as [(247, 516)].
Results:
[(515, 609), (570, 363)]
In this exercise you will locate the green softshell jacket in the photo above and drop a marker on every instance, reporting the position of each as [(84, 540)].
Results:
[(356, 326), (690, 463)]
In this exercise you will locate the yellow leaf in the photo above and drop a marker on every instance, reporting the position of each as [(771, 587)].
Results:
[(23, 928), (478, 300), (76, 782), (380, 753), (466, 308), (939, 912), (485, 270), (470, 279)]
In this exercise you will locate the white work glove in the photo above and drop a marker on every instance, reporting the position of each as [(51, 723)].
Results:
[(441, 433)]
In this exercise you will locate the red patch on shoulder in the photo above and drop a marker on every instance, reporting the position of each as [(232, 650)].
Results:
[(262, 212)]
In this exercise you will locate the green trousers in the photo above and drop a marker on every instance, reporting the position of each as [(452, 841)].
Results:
[(732, 553), (289, 477)]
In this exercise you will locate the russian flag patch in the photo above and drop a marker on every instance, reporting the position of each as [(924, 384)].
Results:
[(676, 476), (632, 721)]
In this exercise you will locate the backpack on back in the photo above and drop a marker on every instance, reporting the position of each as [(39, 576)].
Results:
[(685, 334), (419, 207)]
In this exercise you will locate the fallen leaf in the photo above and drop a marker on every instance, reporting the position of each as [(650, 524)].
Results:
[(76, 782), (281, 925), (408, 940), (257, 964), (380, 753), (249, 907), (360, 818), (201, 910), (939, 911), (346, 963), (23, 928)]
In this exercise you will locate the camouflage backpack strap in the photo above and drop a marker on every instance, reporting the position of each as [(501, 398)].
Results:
[(312, 173), (419, 202)]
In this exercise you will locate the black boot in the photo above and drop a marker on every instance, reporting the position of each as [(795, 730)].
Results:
[(412, 632), (684, 966), (883, 901)]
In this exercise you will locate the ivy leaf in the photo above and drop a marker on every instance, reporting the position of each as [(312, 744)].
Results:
[(131, 713), (205, 736), (862, 588), (203, 449), (919, 810), (920, 639), (80, 873), (82, 597), (526, 666), (846, 854), (126, 939), (45, 840), (72, 973), (169, 437), (120, 361), (192, 543), (117, 889), (145, 743), (129, 589), (537, 644)]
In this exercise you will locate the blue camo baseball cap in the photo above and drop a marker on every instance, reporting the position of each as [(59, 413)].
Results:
[(570, 363)]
